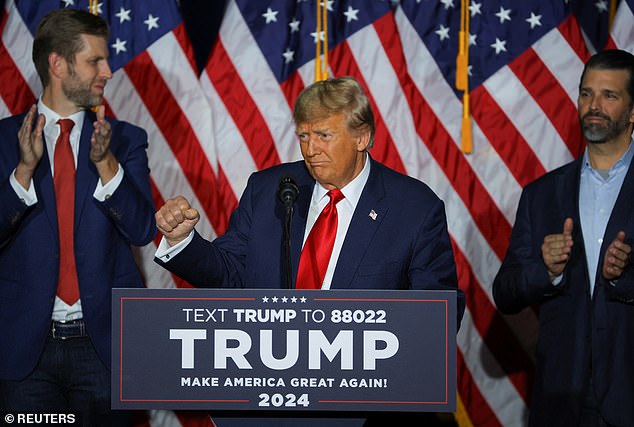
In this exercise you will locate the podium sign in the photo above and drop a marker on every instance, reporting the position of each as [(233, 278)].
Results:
[(291, 350)]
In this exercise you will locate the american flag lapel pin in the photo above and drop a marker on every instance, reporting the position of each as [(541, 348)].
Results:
[(372, 215)]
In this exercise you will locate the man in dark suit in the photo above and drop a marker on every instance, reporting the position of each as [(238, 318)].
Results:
[(570, 254), (74, 195), (391, 230)]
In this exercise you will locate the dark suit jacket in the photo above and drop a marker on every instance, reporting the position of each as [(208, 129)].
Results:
[(104, 231), (576, 333), (406, 247)]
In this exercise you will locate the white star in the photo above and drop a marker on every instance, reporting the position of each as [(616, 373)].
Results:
[(469, 68), (602, 6), (499, 46), (270, 15), (288, 55), (328, 4), (68, 3), (274, 299), (119, 46), (284, 299), (265, 299), (314, 35), (90, 9), (443, 32), (447, 3), (503, 14), (472, 39), (475, 9), (351, 14), (303, 299), (534, 20), (151, 22), (294, 299), (123, 15), (294, 24)]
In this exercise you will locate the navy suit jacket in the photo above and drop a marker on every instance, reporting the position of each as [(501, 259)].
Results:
[(406, 246), (578, 336), (104, 231)]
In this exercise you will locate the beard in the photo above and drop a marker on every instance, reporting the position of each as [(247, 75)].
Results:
[(600, 133), (79, 92)]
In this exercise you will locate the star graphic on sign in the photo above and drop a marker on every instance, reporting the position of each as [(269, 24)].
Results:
[(284, 299), (475, 9), (602, 6), (534, 20), (265, 299), (504, 15), (123, 15), (303, 299), (351, 14), (447, 3), (119, 46), (294, 24), (443, 32), (151, 22), (288, 55), (499, 46), (270, 15), (274, 299), (294, 299), (68, 3), (314, 35)]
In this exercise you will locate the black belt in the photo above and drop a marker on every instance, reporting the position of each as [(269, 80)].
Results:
[(67, 330)]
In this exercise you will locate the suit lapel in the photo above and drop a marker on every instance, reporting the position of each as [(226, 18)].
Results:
[(368, 215), (306, 183), (86, 174), (621, 215), (45, 189)]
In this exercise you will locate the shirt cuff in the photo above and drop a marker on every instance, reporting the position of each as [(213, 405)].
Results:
[(556, 281), (27, 196), (103, 192), (165, 252)]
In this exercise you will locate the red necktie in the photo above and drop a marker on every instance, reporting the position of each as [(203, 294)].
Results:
[(318, 247), (64, 179)]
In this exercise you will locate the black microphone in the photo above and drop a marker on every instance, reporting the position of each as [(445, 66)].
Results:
[(288, 190), (287, 194)]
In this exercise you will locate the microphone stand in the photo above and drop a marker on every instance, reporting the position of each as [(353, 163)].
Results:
[(287, 194), (287, 245)]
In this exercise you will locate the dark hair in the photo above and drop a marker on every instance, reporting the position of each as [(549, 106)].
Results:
[(613, 59), (332, 96), (59, 31)]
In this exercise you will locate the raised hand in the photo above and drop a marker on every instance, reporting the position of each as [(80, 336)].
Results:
[(31, 146), (617, 257), (556, 249), (176, 219)]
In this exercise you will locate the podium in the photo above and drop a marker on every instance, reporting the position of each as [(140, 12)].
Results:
[(284, 350)]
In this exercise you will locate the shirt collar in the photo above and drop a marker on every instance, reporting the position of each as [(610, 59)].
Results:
[(623, 162), (52, 117)]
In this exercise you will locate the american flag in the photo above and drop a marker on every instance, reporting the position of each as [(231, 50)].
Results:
[(209, 132)]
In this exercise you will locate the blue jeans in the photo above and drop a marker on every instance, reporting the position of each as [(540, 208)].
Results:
[(69, 378)]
